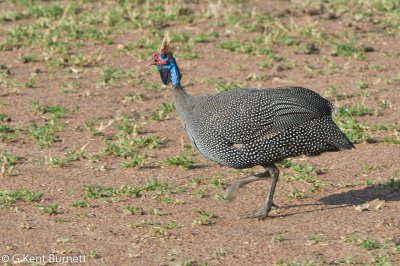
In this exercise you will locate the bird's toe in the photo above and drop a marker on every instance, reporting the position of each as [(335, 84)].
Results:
[(260, 215), (275, 206)]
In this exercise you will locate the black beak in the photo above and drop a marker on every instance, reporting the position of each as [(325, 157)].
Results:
[(164, 74)]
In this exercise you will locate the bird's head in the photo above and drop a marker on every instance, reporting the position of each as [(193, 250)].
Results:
[(166, 64)]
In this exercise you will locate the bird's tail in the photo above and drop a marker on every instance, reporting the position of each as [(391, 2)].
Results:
[(334, 136)]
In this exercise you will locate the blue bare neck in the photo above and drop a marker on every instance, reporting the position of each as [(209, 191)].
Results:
[(175, 74)]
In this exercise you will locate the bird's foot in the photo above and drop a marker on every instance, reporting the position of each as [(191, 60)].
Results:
[(261, 214)]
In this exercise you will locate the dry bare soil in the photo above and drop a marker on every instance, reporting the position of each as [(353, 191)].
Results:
[(94, 161)]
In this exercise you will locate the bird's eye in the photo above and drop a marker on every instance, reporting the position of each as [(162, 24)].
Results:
[(163, 56)]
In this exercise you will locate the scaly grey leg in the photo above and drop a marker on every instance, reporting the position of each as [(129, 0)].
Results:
[(268, 203), (231, 192)]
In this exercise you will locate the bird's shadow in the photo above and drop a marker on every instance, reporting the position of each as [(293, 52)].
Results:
[(389, 191)]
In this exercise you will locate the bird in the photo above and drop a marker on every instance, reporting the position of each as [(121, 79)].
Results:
[(244, 128)]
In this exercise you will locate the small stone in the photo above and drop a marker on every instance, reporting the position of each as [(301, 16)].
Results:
[(314, 11), (362, 207), (368, 49), (330, 16), (37, 70), (311, 49), (279, 68), (284, 13)]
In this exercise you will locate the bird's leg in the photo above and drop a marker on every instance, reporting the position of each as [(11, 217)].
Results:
[(231, 192), (263, 213)]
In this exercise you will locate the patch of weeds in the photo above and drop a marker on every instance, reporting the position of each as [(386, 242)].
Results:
[(183, 160), (370, 244), (92, 254), (161, 113), (31, 81), (10, 15), (307, 262), (159, 229), (384, 127), (186, 52), (195, 181), (170, 200), (204, 217), (256, 47), (279, 238), (57, 111), (10, 197), (355, 110), (180, 37), (220, 252), (296, 194), (44, 134), (95, 191), (152, 86), (194, 262), (92, 126), (200, 38), (126, 127), (56, 162), (218, 181), (353, 239), (60, 220), (382, 260), (369, 182), (109, 76), (47, 11), (73, 155), (133, 98), (50, 209), (130, 191), (27, 58), (4, 118), (363, 84), (394, 183), (332, 92), (127, 146), (347, 49), (7, 162), (36, 107), (80, 203), (222, 85), (199, 193), (354, 130), (314, 239), (306, 173), (160, 188), (366, 242), (392, 140), (132, 210), (143, 47), (60, 34), (135, 160)]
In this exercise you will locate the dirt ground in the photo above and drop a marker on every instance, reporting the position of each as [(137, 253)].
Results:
[(94, 161)]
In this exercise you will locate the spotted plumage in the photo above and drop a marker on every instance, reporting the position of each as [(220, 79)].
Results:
[(248, 127)]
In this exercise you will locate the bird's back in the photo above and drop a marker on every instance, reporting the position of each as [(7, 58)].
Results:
[(242, 128)]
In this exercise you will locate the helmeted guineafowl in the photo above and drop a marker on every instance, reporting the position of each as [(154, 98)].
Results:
[(248, 127)]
